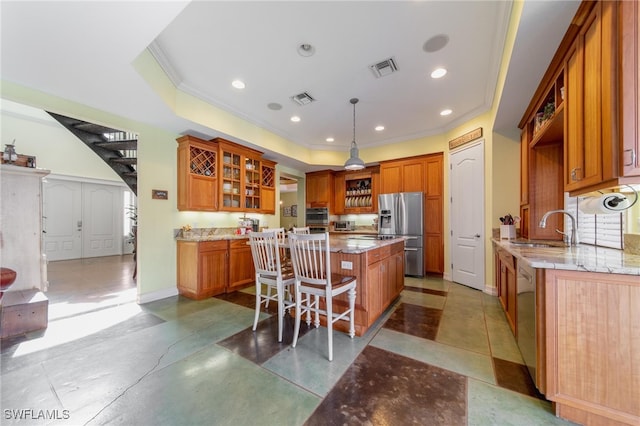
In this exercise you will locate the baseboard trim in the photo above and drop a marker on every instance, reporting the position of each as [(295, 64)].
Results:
[(156, 295)]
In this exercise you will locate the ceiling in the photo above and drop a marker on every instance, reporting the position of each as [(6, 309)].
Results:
[(83, 51)]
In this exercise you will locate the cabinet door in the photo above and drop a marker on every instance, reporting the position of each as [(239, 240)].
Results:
[(319, 186), (268, 187), (590, 130), (231, 181), (375, 289), (390, 178), (413, 176), (213, 272), (241, 269), (197, 177), (524, 167), (629, 92)]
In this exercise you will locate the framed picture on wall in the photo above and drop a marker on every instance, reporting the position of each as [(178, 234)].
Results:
[(287, 211), (294, 210)]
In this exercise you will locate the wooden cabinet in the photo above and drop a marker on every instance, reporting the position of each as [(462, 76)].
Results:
[(268, 187), (197, 174), (506, 285), (406, 175), (591, 129), (320, 189), (356, 191), (241, 269), (592, 324), (433, 214), (629, 92), (385, 271), (209, 268), (202, 268), (219, 175)]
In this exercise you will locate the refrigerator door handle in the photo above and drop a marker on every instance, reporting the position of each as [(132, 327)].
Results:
[(410, 249)]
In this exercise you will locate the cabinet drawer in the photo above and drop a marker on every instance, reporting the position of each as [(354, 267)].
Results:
[(212, 245), (240, 243), (378, 254), (507, 258)]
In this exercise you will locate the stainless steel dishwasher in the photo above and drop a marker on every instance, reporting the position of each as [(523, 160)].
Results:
[(526, 316)]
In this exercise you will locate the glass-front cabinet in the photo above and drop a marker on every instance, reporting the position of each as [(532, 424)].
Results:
[(219, 175)]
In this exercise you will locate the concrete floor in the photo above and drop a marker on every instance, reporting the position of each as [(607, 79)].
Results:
[(442, 354)]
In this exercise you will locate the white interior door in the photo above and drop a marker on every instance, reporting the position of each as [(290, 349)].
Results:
[(62, 219), (102, 220), (467, 216)]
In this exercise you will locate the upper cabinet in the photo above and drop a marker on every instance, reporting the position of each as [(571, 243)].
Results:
[(591, 140), (629, 92), (406, 175), (219, 175), (320, 189), (356, 192), (197, 174)]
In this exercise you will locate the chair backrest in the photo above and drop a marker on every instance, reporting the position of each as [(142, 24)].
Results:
[(281, 234), (265, 251), (310, 257), (303, 230)]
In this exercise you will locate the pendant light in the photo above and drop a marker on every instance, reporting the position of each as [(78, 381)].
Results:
[(354, 162)]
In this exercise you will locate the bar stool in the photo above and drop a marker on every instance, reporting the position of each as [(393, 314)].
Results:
[(310, 256), (265, 251)]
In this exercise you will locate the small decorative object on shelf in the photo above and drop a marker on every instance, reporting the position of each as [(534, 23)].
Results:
[(186, 231), (9, 155), (549, 109)]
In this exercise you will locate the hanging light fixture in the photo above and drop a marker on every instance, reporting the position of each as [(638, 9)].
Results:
[(354, 162)]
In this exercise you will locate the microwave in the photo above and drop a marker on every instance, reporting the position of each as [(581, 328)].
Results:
[(344, 225)]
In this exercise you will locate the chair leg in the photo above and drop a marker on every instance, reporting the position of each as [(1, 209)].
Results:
[(280, 296), (330, 325), (309, 305), (266, 302), (296, 329), (316, 303), (352, 305), (258, 303)]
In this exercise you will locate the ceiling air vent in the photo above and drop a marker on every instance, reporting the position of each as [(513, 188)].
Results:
[(386, 67), (302, 99)]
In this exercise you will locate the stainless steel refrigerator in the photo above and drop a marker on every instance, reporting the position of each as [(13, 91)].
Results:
[(401, 214)]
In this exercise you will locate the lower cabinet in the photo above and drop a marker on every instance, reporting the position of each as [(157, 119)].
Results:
[(209, 268), (506, 285), (593, 346), (241, 269)]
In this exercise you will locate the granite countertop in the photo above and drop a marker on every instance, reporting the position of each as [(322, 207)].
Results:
[(356, 244), (582, 257)]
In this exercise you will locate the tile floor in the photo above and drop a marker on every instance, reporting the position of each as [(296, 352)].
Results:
[(443, 354)]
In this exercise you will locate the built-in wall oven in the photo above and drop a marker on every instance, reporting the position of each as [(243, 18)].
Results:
[(317, 219)]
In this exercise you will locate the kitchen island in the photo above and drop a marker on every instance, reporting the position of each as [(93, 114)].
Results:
[(587, 327), (212, 262)]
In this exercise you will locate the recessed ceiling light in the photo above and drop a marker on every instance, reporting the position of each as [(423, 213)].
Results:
[(238, 84), (379, 128), (306, 50), (295, 118), (445, 112), (274, 106), (329, 139), (438, 73)]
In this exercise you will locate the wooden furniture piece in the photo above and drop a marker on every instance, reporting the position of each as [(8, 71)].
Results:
[(587, 139), (202, 268), (197, 174), (219, 175), (593, 351), (356, 192), (506, 284), (319, 190), (265, 250), (241, 271), (314, 280), (385, 271)]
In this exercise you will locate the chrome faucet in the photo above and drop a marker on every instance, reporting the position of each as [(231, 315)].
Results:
[(574, 230)]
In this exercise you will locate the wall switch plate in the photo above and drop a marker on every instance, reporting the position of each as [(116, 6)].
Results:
[(346, 265)]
